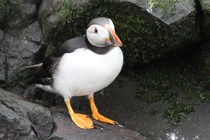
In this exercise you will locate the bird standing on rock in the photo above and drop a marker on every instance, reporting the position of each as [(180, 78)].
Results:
[(84, 65)]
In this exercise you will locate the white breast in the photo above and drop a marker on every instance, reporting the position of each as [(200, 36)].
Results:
[(84, 72)]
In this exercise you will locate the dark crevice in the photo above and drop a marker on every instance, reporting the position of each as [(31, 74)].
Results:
[(6, 67), (37, 136), (3, 103), (199, 22), (34, 130), (199, 18), (39, 56), (34, 123)]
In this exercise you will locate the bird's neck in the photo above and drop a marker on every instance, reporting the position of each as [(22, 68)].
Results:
[(98, 50)]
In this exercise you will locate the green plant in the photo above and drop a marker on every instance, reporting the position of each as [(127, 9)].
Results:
[(177, 112)]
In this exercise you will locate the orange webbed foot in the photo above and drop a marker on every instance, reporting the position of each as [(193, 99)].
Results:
[(97, 116)]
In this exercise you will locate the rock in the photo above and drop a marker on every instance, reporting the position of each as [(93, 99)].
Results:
[(49, 6), (205, 5), (49, 15), (145, 37), (18, 53), (32, 33), (42, 121), (22, 120), (3, 11), (195, 127), (16, 13), (2, 60), (167, 11), (13, 126), (203, 59), (28, 11), (67, 130), (119, 102), (1, 36), (2, 69)]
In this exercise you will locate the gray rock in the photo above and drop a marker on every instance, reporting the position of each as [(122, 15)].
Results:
[(18, 53), (195, 127), (13, 126), (119, 102), (205, 4), (2, 68), (42, 121), (167, 11), (1, 36), (3, 11), (2, 59), (16, 13), (32, 33), (48, 15), (206, 19), (66, 130), (48, 7), (28, 10), (22, 120)]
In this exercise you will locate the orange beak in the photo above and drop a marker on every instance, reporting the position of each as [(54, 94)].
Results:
[(116, 38)]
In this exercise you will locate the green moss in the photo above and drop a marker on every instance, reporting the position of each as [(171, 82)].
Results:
[(202, 59), (143, 40), (174, 81), (11, 13), (178, 112), (166, 6), (206, 23), (204, 96)]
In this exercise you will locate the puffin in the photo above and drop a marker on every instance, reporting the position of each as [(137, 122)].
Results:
[(84, 65)]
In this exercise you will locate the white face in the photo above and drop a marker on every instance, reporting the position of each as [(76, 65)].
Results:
[(98, 36), (102, 36)]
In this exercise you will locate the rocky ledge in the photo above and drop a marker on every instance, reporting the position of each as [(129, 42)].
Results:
[(24, 120)]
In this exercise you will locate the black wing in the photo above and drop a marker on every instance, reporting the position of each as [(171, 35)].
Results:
[(69, 46)]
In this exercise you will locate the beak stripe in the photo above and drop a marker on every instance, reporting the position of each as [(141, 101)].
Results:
[(116, 38)]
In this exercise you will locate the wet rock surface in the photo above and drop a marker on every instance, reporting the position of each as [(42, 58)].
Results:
[(195, 127)]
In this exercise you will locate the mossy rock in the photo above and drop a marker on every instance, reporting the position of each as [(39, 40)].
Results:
[(16, 14), (168, 11), (206, 19), (206, 24), (203, 61), (10, 13), (205, 4), (145, 37)]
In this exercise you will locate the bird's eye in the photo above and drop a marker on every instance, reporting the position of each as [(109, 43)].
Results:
[(96, 30)]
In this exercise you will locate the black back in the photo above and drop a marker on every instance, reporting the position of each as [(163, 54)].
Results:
[(69, 46)]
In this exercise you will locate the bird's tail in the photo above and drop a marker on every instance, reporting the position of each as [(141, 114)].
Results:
[(35, 73)]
